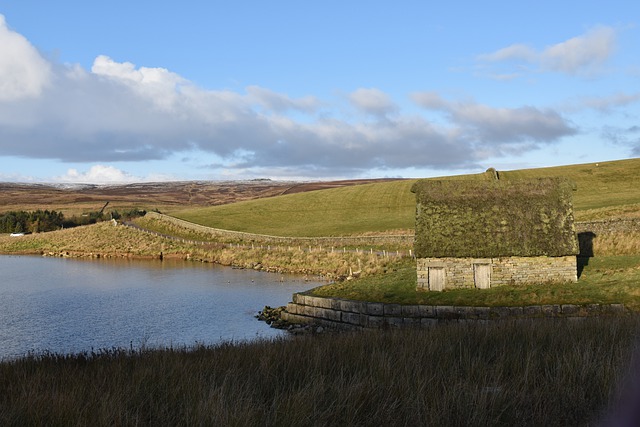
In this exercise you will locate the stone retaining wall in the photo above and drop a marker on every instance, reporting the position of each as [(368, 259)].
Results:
[(341, 313)]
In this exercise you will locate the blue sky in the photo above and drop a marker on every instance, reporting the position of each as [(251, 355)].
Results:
[(193, 90)]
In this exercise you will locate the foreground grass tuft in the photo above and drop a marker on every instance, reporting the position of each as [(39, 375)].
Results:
[(531, 373)]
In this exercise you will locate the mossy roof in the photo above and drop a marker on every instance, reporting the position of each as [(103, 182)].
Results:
[(494, 218)]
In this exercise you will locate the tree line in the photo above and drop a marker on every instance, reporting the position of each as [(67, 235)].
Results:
[(45, 220)]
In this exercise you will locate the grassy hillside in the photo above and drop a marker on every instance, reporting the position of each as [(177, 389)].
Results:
[(341, 211), (604, 190)]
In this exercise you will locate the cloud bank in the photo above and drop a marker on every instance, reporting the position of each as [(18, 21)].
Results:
[(118, 111), (585, 54)]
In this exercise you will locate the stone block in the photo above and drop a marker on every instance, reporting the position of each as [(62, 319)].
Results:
[(319, 312), (446, 312), (412, 322), (351, 318), (351, 306), (295, 318), (410, 311), (292, 308), (305, 300), (569, 309), (392, 310), (298, 298), (480, 312), (499, 313), (515, 311), (532, 311), (308, 310), (324, 302), (393, 322), (550, 310), (465, 312), (427, 311), (375, 308), (592, 309), (333, 315)]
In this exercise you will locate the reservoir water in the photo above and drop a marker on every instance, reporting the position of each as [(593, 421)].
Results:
[(73, 305)]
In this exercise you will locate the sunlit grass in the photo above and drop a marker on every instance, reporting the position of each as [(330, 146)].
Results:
[(603, 191), (604, 280)]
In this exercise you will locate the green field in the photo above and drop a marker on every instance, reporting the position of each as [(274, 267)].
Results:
[(604, 190), (604, 280), (334, 212)]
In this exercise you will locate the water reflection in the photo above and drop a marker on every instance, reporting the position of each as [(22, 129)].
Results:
[(71, 305)]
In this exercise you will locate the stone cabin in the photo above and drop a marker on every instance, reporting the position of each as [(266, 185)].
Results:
[(487, 232)]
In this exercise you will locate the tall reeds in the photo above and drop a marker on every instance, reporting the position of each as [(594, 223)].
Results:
[(528, 373)]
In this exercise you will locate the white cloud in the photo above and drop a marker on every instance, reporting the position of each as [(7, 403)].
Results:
[(429, 100), (605, 104), (98, 174), (23, 72), (515, 51), (157, 84), (119, 112), (500, 127), (585, 54), (105, 174), (281, 103), (372, 101)]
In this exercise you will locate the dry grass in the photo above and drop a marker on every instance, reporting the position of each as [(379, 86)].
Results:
[(538, 373), (106, 240), (617, 243)]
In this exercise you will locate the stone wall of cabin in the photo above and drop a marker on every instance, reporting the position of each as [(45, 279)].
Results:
[(460, 272)]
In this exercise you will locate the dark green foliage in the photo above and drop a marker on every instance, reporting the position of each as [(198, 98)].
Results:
[(97, 216), (36, 221), (128, 215), (493, 218)]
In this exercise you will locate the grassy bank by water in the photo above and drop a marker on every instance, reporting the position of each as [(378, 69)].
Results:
[(532, 373), (106, 240), (607, 279)]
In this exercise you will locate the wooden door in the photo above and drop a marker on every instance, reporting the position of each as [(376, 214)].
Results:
[(436, 278), (482, 275)]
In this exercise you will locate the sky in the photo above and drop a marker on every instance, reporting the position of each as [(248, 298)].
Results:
[(135, 91)]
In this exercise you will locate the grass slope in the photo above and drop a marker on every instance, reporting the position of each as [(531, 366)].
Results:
[(334, 212), (604, 190)]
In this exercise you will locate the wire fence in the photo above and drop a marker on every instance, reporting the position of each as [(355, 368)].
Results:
[(279, 247)]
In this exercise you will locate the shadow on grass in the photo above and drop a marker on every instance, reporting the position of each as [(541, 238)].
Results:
[(585, 242)]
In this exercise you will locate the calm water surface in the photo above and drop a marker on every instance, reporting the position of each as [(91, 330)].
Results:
[(71, 305)]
